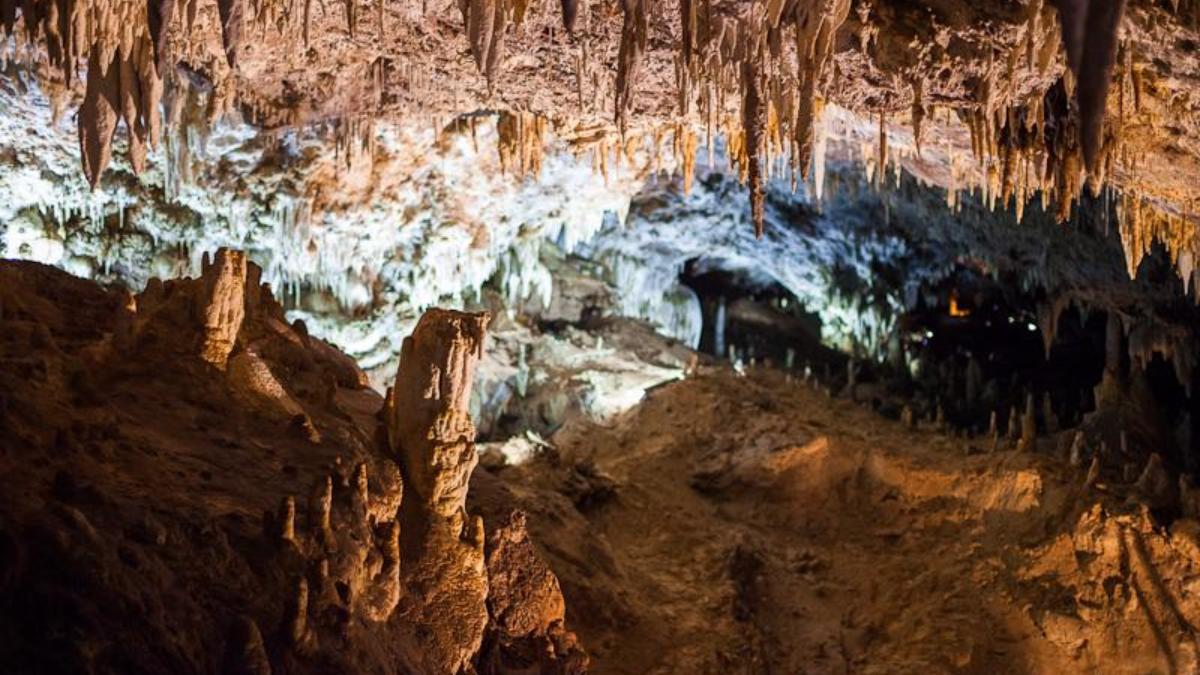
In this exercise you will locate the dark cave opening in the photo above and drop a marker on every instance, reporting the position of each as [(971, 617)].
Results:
[(754, 318), (975, 347), (979, 349), (971, 347)]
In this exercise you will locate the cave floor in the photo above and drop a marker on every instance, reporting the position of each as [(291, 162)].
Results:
[(760, 526)]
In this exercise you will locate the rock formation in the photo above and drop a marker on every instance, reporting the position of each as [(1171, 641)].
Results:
[(527, 613), (432, 436), (154, 490)]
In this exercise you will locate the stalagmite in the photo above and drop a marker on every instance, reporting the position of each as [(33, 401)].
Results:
[(974, 382), (526, 606), (287, 520), (1093, 473), (320, 506), (1014, 426), (295, 614), (1077, 449), (384, 594), (221, 306), (429, 425), (1048, 415), (431, 434), (1028, 440), (1155, 484)]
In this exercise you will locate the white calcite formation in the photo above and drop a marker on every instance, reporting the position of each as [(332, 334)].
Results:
[(358, 241)]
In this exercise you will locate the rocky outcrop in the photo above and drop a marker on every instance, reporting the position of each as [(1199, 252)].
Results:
[(527, 631), (146, 434)]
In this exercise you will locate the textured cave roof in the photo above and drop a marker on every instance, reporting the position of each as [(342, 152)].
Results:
[(963, 90), (418, 63)]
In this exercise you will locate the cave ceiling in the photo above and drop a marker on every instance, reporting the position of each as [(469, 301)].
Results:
[(1015, 101)]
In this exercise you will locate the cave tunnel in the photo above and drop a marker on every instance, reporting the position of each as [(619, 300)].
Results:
[(749, 316)]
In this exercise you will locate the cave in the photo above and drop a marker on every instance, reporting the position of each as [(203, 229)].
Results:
[(752, 319), (497, 337)]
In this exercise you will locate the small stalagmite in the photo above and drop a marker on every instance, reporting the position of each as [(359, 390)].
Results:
[(1077, 449), (1093, 473), (221, 307), (1155, 485), (1028, 440), (1014, 425)]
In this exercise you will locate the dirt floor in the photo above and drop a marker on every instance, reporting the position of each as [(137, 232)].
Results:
[(753, 525)]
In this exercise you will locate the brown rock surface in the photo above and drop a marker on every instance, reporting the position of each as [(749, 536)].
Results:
[(759, 526), (148, 501)]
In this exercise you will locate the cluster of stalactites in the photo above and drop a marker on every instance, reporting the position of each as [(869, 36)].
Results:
[(522, 143), (486, 23), (776, 58), (122, 43), (1052, 141), (1141, 225)]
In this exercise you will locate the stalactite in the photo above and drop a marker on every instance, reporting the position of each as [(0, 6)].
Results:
[(918, 112), (685, 149), (881, 159), (1141, 225), (480, 20), (816, 29), (522, 143), (232, 15), (307, 20), (98, 117), (1090, 30), (754, 122), (570, 14), (634, 32)]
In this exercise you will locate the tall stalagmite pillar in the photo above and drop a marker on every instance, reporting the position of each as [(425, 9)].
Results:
[(432, 436)]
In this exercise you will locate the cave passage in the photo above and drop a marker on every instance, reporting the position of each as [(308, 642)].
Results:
[(753, 318)]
